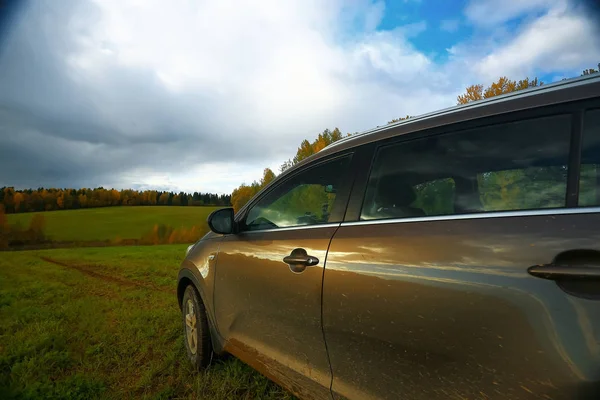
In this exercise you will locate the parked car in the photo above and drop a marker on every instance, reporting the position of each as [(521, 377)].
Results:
[(452, 255)]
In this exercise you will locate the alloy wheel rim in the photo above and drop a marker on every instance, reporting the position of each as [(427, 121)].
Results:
[(190, 327)]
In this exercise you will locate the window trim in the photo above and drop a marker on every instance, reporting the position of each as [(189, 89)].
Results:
[(492, 214), (339, 204), (573, 108)]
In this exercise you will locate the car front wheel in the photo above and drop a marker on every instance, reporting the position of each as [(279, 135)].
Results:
[(195, 328)]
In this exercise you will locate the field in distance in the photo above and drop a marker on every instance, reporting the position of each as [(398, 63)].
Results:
[(104, 322), (109, 223)]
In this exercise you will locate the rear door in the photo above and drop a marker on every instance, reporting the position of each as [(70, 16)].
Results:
[(269, 277), (428, 292)]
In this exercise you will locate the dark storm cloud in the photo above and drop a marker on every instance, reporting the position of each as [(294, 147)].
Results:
[(60, 129)]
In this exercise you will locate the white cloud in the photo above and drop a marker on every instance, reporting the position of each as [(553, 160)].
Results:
[(493, 12), (560, 40)]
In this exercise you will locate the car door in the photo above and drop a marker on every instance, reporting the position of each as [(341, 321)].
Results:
[(269, 276), (468, 275)]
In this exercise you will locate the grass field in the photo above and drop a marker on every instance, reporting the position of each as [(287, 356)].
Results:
[(108, 223), (104, 323)]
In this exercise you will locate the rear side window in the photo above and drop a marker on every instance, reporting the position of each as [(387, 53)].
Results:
[(589, 181), (512, 166)]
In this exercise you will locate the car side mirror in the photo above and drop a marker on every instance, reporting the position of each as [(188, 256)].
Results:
[(221, 221)]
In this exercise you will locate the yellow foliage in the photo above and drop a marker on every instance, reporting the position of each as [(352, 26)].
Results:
[(501, 86), (399, 119), (60, 201), (474, 92), (18, 200)]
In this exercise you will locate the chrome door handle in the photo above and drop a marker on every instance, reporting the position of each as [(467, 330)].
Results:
[(556, 272)]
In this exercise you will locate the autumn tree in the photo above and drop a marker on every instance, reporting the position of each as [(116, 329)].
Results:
[(399, 119), (8, 199), (241, 196), (502, 86), (590, 71), (164, 198), (527, 83), (267, 178), (307, 148), (473, 93), (18, 200)]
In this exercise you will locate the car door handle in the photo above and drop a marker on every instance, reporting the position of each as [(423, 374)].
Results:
[(299, 259), (558, 272)]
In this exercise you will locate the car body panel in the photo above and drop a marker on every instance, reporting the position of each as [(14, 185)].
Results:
[(269, 316), (446, 309)]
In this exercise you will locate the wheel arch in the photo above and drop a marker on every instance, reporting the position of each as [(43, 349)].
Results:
[(186, 278)]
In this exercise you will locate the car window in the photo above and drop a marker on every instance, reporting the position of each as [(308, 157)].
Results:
[(435, 197), (512, 166), (307, 198), (589, 181)]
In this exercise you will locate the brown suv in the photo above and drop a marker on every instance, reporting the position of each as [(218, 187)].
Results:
[(453, 255)]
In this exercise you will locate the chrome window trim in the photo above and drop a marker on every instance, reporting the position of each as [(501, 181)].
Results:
[(293, 228), (494, 214)]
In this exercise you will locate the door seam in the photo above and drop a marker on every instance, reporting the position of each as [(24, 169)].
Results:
[(322, 321)]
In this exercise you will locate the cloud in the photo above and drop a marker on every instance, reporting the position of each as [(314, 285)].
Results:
[(493, 12), (562, 39)]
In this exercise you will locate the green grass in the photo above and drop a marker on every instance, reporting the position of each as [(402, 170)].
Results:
[(105, 324), (107, 223)]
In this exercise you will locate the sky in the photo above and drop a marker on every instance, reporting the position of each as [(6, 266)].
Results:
[(202, 95)]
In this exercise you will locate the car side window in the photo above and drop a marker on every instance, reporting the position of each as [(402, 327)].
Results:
[(307, 198), (589, 181), (511, 166)]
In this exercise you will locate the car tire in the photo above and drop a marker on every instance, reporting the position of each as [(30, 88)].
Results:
[(196, 335)]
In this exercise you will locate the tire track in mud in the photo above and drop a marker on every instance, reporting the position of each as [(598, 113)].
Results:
[(89, 270)]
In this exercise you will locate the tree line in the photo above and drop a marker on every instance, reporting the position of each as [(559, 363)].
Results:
[(42, 199), (242, 194)]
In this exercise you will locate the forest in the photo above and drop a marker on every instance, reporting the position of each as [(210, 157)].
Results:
[(17, 201)]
